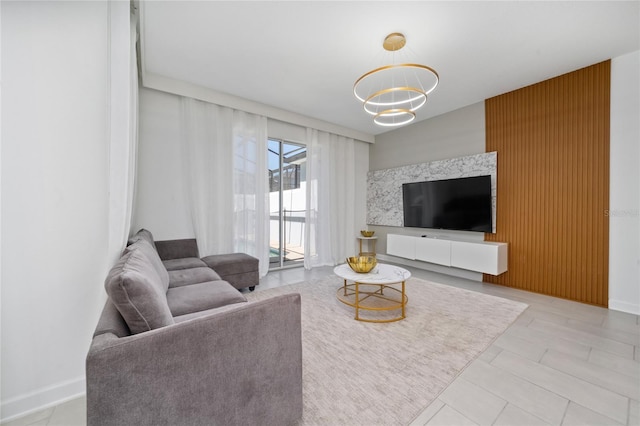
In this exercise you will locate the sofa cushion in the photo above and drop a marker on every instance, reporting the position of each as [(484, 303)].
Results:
[(136, 290), (219, 310), (182, 277), (177, 249), (111, 321), (200, 297), (152, 255), (184, 263)]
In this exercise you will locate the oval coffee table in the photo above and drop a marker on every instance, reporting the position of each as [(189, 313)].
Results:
[(374, 291)]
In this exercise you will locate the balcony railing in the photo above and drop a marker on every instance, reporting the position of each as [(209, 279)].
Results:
[(294, 223)]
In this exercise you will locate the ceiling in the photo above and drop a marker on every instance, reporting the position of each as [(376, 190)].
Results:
[(304, 56)]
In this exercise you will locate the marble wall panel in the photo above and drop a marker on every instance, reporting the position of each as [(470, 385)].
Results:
[(384, 187)]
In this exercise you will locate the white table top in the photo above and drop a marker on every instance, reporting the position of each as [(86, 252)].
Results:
[(360, 237), (381, 274)]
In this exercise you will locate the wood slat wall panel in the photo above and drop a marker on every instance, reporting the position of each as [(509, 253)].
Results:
[(552, 140)]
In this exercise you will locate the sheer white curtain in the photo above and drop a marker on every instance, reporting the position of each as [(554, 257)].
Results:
[(123, 144), (251, 187), (207, 165), (330, 216), (225, 165)]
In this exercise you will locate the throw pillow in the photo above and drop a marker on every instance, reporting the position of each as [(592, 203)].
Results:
[(143, 234), (137, 292), (152, 255)]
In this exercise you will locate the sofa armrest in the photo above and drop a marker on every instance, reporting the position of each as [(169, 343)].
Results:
[(177, 249), (111, 322), (236, 367)]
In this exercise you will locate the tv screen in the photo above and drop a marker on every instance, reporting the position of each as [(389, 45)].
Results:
[(462, 204)]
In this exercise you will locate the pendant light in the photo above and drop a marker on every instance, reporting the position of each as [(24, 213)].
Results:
[(392, 93)]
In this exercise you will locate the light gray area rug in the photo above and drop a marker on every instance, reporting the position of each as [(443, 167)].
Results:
[(357, 373)]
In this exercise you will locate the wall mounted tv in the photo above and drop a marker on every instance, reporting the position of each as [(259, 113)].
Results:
[(462, 204)]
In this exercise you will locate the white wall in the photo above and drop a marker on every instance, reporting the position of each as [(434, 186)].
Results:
[(161, 205), (624, 195), (454, 134), (55, 195)]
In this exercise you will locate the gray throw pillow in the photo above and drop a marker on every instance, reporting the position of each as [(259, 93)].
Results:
[(136, 290), (152, 255), (143, 234)]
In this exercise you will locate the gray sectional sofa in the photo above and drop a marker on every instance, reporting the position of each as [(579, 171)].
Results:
[(177, 344)]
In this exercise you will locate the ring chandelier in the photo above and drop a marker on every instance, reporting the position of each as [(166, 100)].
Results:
[(393, 93)]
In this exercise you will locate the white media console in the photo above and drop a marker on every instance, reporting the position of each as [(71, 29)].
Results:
[(480, 256)]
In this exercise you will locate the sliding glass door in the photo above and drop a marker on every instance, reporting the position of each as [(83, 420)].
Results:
[(287, 203)]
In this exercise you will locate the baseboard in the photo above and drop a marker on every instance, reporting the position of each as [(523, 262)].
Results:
[(627, 307), (42, 399), (460, 273)]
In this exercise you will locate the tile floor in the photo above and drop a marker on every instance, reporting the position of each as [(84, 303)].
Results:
[(560, 363)]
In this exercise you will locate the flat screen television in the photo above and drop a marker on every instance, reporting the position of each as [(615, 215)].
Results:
[(462, 204)]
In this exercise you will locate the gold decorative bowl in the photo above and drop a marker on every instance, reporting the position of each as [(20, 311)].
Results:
[(362, 264), (367, 233)]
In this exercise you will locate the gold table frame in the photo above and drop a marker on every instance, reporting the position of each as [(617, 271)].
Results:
[(371, 246), (365, 289)]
